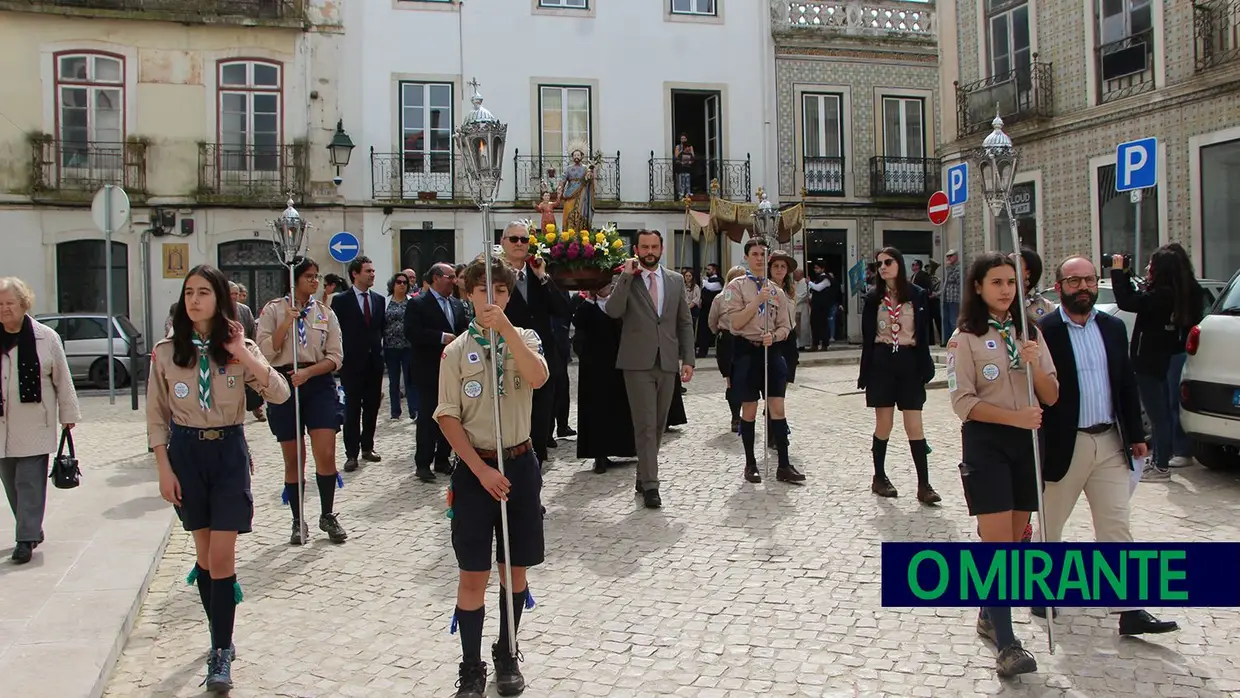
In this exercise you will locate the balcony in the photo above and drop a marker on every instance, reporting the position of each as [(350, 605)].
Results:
[(904, 178), (727, 179), (1125, 67), (1216, 33), (1023, 94), (77, 169), (417, 176), (290, 13), (891, 18), (532, 172), (259, 174), (824, 176)]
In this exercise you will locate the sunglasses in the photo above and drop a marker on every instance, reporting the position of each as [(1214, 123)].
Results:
[(518, 240), (886, 262), (400, 282)]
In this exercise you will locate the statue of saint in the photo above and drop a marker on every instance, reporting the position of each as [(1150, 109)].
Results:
[(546, 207), (577, 191)]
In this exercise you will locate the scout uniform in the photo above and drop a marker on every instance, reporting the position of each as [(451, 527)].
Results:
[(894, 379), (1039, 307)]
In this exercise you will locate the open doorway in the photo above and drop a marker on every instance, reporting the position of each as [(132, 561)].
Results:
[(698, 115), (827, 247)]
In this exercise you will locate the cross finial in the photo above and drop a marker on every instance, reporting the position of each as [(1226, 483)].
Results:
[(474, 84)]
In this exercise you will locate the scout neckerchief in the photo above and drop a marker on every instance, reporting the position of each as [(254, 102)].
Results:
[(476, 333), (758, 283), (893, 319), (204, 371), (301, 321), (1008, 333)]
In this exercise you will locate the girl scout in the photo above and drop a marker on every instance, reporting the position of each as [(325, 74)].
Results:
[(300, 320), (1038, 306), (195, 405), (986, 379)]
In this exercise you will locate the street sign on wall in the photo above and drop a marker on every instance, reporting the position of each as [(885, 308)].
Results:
[(1136, 164), (937, 208), (344, 247), (958, 184)]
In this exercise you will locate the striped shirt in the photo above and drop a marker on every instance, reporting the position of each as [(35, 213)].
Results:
[(1092, 373)]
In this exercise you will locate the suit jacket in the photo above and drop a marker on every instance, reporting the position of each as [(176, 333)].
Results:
[(362, 344), (545, 300), (648, 340), (1059, 421), (425, 324), (869, 330)]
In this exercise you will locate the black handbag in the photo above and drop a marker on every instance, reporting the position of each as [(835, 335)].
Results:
[(65, 471)]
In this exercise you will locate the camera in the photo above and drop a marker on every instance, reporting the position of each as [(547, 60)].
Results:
[(337, 180)]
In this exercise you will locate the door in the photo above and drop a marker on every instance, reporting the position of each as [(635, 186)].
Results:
[(904, 145), (420, 249), (714, 151), (426, 139), (253, 264), (828, 247)]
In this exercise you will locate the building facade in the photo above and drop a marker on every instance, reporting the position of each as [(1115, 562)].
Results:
[(1075, 78), (209, 118), (858, 106)]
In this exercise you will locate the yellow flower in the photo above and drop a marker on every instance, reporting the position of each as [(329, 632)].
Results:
[(550, 234), (600, 238), (571, 232), (551, 228), (617, 244)]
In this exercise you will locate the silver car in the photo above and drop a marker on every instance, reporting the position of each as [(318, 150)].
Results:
[(1106, 298), (85, 336)]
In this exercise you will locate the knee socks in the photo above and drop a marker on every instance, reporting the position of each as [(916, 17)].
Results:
[(747, 429), (518, 605), (733, 404), (470, 625), (290, 496), (223, 612), (879, 448), (327, 492), (779, 432), (921, 461), (203, 579), (1001, 618)]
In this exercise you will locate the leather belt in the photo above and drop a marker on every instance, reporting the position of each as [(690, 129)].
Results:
[(1096, 429), (217, 434), (511, 452)]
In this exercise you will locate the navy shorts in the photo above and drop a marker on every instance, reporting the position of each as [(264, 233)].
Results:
[(997, 469), (476, 520), (747, 378), (213, 467), (318, 409), (895, 380)]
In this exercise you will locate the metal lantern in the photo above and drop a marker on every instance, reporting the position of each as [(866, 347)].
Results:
[(765, 218), (341, 147), (997, 164), (288, 234), (480, 140)]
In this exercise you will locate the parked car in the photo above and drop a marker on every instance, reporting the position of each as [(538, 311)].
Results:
[(1210, 385), (85, 336), (1106, 298)]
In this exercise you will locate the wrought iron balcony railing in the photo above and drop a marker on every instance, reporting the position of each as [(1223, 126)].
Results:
[(1126, 67), (84, 166), (257, 173), (417, 176), (1216, 32), (911, 178), (824, 176), (670, 182), (1022, 94), (533, 172), (194, 10)]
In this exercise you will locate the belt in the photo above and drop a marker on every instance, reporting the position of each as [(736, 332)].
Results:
[(216, 434), (511, 452), (1096, 429)]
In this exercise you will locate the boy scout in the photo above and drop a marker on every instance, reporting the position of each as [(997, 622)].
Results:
[(465, 415), (1038, 307), (754, 312), (195, 412)]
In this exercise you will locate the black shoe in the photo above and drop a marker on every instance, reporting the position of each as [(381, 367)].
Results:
[(552, 443), (563, 434), (300, 534), (219, 671), (508, 678), (350, 465), (425, 475), (736, 424), (882, 487), (789, 473), (600, 467), (637, 487), (22, 553), (1014, 660), (1040, 611), (443, 467), (652, 499), (927, 495), (329, 525), (473, 680), (371, 457), (1142, 622), (751, 472)]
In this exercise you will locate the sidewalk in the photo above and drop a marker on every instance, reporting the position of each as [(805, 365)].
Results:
[(65, 616)]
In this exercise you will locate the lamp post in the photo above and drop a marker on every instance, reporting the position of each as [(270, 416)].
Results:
[(765, 226), (480, 140), (340, 149), (288, 237), (997, 160)]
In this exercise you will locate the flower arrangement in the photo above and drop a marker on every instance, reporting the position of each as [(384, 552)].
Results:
[(579, 258)]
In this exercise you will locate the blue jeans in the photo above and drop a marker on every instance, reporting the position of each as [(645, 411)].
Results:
[(1181, 445), (831, 313), (1154, 397), (399, 363), (951, 311)]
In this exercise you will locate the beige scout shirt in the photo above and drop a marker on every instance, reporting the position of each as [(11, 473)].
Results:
[(466, 388), (742, 291), (172, 393), (978, 371), (323, 338), (907, 323), (1039, 307)]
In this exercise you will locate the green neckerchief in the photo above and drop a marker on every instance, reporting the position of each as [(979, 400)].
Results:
[(480, 338), (1008, 333), (204, 372)]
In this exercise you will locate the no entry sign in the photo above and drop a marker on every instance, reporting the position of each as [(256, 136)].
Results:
[(938, 208)]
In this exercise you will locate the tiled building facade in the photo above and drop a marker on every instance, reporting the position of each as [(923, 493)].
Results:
[(1075, 78)]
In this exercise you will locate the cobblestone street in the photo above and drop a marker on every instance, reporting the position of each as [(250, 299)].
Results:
[(731, 589)]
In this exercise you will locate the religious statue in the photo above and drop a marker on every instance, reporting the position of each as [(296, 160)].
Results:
[(546, 207), (577, 190)]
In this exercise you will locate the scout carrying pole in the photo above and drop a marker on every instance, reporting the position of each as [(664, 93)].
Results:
[(301, 448), (766, 378)]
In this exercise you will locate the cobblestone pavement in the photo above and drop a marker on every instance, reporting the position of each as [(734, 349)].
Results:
[(730, 590)]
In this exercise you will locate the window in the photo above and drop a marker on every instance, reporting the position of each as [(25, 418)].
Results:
[(1117, 220), (249, 99), (903, 127), (1009, 46), (563, 119), (565, 4), (1220, 210), (426, 136), (822, 132), (1024, 208), (693, 7), (90, 96), (81, 275), (1120, 19)]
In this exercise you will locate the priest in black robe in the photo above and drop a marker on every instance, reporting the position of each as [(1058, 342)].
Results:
[(604, 424)]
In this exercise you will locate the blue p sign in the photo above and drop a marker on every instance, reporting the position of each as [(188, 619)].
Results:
[(958, 184), (1136, 164)]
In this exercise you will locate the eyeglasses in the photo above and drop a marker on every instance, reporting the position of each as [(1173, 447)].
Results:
[(402, 282), (1078, 281), (886, 262), (518, 240)]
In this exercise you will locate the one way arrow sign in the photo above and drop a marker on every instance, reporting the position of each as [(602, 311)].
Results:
[(344, 247)]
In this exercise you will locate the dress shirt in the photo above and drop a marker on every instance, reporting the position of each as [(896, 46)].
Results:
[(446, 306), (1092, 373)]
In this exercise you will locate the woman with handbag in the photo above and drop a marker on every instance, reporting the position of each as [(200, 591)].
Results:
[(36, 393), (195, 405)]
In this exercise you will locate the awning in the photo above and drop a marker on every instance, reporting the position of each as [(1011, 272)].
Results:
[(734, 219)]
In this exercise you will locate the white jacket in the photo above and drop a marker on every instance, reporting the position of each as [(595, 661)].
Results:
[(33, 429)]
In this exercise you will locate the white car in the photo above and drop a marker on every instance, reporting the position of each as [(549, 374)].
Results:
[(1210, 385), (1106, 299)]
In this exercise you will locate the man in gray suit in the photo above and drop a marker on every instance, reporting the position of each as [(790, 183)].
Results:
[(656, 344)]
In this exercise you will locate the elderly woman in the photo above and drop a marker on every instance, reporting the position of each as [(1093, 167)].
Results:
[(37, 393)]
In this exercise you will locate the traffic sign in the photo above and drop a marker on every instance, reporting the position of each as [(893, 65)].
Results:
[(958, 184), (344, 247), (110, 209), (1136, 164), (938, 208), (958, 211)]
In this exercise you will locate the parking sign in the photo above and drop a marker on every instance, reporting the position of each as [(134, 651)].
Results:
[(958, 184), (1136, 164)]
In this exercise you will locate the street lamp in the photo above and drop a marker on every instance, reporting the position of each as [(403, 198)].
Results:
[(480, 141), (765, 226), (340, 149), (288, 238), (997, 164)]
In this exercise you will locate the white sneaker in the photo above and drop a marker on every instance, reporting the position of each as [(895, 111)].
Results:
[(1182, 462), (1153, 474)]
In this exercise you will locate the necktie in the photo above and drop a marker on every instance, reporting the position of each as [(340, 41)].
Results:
[(366, 307), (758, 283), (521, 282), (652, 285), (447, 310), (204, 372), (1009, 339), (480, 338)]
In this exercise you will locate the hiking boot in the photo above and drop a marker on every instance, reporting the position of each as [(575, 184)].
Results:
[(986, 629), (882, 487), (473, 680), (751, 472), (1014, 660), (300, 534), (789, 473), (329, 525), (927, 495), (508, 678), (219, 671)]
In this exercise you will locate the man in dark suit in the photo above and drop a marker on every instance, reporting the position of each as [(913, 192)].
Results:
[(432, 320), (532, 305), (1094, 432), (560, 327), (361, 314)]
